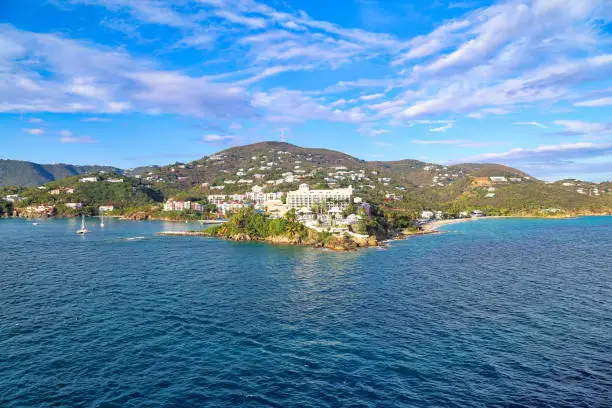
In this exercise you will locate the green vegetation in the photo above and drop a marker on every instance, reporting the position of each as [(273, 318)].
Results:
[(26, 174), (6, 208), (249, 225), (128, 194), (253, 225), (398, 190)]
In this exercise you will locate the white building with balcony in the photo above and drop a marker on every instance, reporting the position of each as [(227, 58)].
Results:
[(305, 197)]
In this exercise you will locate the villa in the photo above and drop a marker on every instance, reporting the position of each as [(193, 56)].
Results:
[(75, 206), (62, 190)]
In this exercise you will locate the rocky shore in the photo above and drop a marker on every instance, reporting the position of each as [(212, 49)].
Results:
[(341, 243)]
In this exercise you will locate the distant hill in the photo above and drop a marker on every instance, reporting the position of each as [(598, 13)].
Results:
[(26, 174), (402, 185), (489, 170)]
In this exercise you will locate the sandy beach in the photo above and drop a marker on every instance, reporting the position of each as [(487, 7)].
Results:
[(435, 225)]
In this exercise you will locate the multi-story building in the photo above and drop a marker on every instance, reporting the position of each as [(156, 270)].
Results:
[(172, 205), (305, 197)]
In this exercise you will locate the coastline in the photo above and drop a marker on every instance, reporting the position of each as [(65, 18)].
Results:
[(435, 226)]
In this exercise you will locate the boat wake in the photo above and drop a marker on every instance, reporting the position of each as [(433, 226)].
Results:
[(134, 238)]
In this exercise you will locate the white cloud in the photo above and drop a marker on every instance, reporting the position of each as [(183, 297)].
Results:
[(371, 97), (594, 103), (460, 143), (214, 138), (368, 131), (442, 128), (35, 120), (96, 119), (536, 124), (77, 139), (37, 131), (548, 153), (577, 127), (506, 57), (440, 142)]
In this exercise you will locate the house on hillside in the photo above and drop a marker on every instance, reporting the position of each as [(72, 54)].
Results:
[(481, 182), (75, 206)]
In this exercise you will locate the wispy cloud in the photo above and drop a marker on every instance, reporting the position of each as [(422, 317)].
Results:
[(493, 59), (461, 143), (548, 153), (577, 127), (595, 103), (533, 123), (77, 139), (217, 139), (367, 131), (442, 128), (440, 142), (35, 131), (96, 119)]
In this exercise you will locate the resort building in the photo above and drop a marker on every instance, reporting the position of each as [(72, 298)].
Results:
[(105, 208), (305, 197), (172, 205), (88, 180)]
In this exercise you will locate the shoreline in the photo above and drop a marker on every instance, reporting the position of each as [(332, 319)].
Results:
[(434, 226)]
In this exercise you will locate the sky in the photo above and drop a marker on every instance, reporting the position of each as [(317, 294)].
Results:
[(527, 83)]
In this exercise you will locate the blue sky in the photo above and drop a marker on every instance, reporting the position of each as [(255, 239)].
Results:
[(527, 83)]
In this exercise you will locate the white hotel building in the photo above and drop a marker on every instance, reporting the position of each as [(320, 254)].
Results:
[(305, 197)]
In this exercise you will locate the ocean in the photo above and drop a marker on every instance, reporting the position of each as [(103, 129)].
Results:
[(491, 313)]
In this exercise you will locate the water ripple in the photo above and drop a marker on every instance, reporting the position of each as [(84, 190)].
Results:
[(499, 313)]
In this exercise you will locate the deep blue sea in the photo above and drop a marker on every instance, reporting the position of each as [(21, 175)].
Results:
[(493, 313)]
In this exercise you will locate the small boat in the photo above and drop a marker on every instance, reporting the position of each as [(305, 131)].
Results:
[(101, 220), (35, 224), (83, 229)]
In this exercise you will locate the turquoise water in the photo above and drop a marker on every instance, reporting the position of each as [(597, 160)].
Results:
[(492, 313)]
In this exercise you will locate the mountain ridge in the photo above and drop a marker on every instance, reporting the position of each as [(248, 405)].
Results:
[(26, 174), (21, 173)]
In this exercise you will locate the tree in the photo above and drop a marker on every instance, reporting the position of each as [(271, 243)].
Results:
[(6, 207)]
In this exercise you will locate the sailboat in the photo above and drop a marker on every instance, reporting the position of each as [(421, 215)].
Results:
[(83, 229), (101, 220)]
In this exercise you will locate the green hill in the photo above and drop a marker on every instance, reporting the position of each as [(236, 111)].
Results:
[(402, 185), (26, 174)]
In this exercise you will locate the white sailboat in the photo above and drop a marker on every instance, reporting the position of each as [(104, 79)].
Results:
[(83, 229), (102, 220)]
